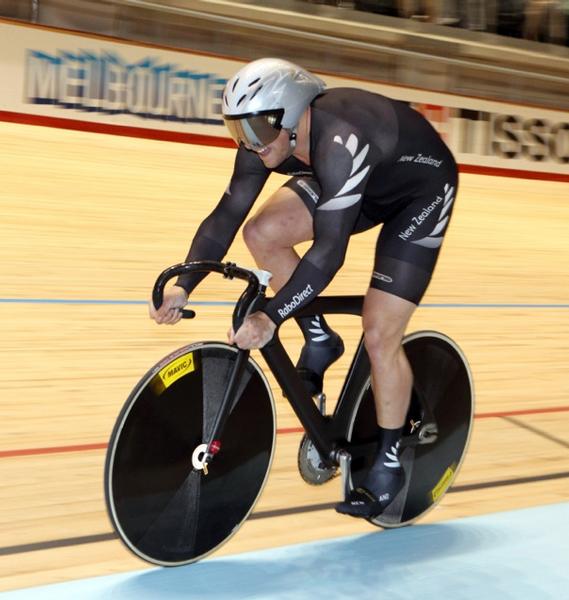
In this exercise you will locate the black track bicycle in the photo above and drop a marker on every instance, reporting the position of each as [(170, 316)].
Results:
[(192, 447)]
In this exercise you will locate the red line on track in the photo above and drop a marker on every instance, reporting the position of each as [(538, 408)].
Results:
[(53, 450), (122, 130), (290, 430), (517, 173), (529, 411), (282, 431), (223, 142)]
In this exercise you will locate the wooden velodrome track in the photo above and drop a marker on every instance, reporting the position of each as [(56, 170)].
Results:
[(96, 217)]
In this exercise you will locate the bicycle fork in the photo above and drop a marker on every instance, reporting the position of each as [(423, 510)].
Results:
[(213, 444), (249, 301)]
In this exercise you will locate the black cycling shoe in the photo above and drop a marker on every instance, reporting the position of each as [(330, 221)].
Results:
[(315, 358), (363, 504), (377, 492)]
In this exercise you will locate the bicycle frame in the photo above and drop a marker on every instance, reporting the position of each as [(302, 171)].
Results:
[(166, 507), (327, 433), (158, 498)]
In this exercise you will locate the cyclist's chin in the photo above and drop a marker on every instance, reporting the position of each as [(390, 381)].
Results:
[(267, 155), (273, 157)]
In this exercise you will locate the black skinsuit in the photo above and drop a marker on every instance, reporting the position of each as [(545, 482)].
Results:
[(372, 160)]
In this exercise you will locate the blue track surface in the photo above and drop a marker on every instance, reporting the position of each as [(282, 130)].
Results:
[(519, 555)]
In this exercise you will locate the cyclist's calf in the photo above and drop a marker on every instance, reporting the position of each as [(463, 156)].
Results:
[(385, 319)]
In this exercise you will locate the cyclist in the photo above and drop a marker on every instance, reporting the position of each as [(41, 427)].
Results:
[(356, 160)]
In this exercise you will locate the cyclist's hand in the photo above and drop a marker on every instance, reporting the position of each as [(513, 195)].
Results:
[(256, 331), (175, 298)]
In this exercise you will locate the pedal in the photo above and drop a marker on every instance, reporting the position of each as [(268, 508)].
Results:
[(320, 400), (345, 461)]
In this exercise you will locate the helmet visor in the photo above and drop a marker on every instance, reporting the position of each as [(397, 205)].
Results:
[(255, 130)]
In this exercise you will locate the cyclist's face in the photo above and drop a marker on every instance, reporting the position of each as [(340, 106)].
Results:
[(276, 152)]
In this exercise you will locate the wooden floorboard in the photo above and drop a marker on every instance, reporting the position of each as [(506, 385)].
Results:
[(97, 217)]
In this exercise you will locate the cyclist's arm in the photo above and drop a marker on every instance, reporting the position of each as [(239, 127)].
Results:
[(218, 230), (342, 169)]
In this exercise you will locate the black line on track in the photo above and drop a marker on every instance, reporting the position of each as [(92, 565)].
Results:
[(537, 431), (469, 487), (266, 514), (62, 543)]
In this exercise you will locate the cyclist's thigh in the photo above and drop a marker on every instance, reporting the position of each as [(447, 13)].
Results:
[(285, 217), (308, 190), (409, 243)]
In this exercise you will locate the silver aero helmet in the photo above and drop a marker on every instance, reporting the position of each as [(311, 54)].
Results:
[(265, 96)]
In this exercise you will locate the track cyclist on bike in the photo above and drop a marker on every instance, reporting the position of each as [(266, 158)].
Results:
[(356, 160)]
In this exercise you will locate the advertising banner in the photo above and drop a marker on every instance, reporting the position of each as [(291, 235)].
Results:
[(90, 80)]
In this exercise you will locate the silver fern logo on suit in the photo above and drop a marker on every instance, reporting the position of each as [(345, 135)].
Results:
[(343, 199)]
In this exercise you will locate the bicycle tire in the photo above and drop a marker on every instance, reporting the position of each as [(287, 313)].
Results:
[(443, 382), (163, 509)]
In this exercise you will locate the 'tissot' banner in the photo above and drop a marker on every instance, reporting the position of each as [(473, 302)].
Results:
[(53, 74)]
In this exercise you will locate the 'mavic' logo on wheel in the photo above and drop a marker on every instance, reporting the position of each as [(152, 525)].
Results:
[(173, 371)]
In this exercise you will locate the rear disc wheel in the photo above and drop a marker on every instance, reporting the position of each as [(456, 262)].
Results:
[(436, 432)]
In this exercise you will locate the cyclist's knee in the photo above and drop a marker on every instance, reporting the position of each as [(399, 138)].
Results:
[(379, 341), (382, 337), (385, 319), (259, 232)]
